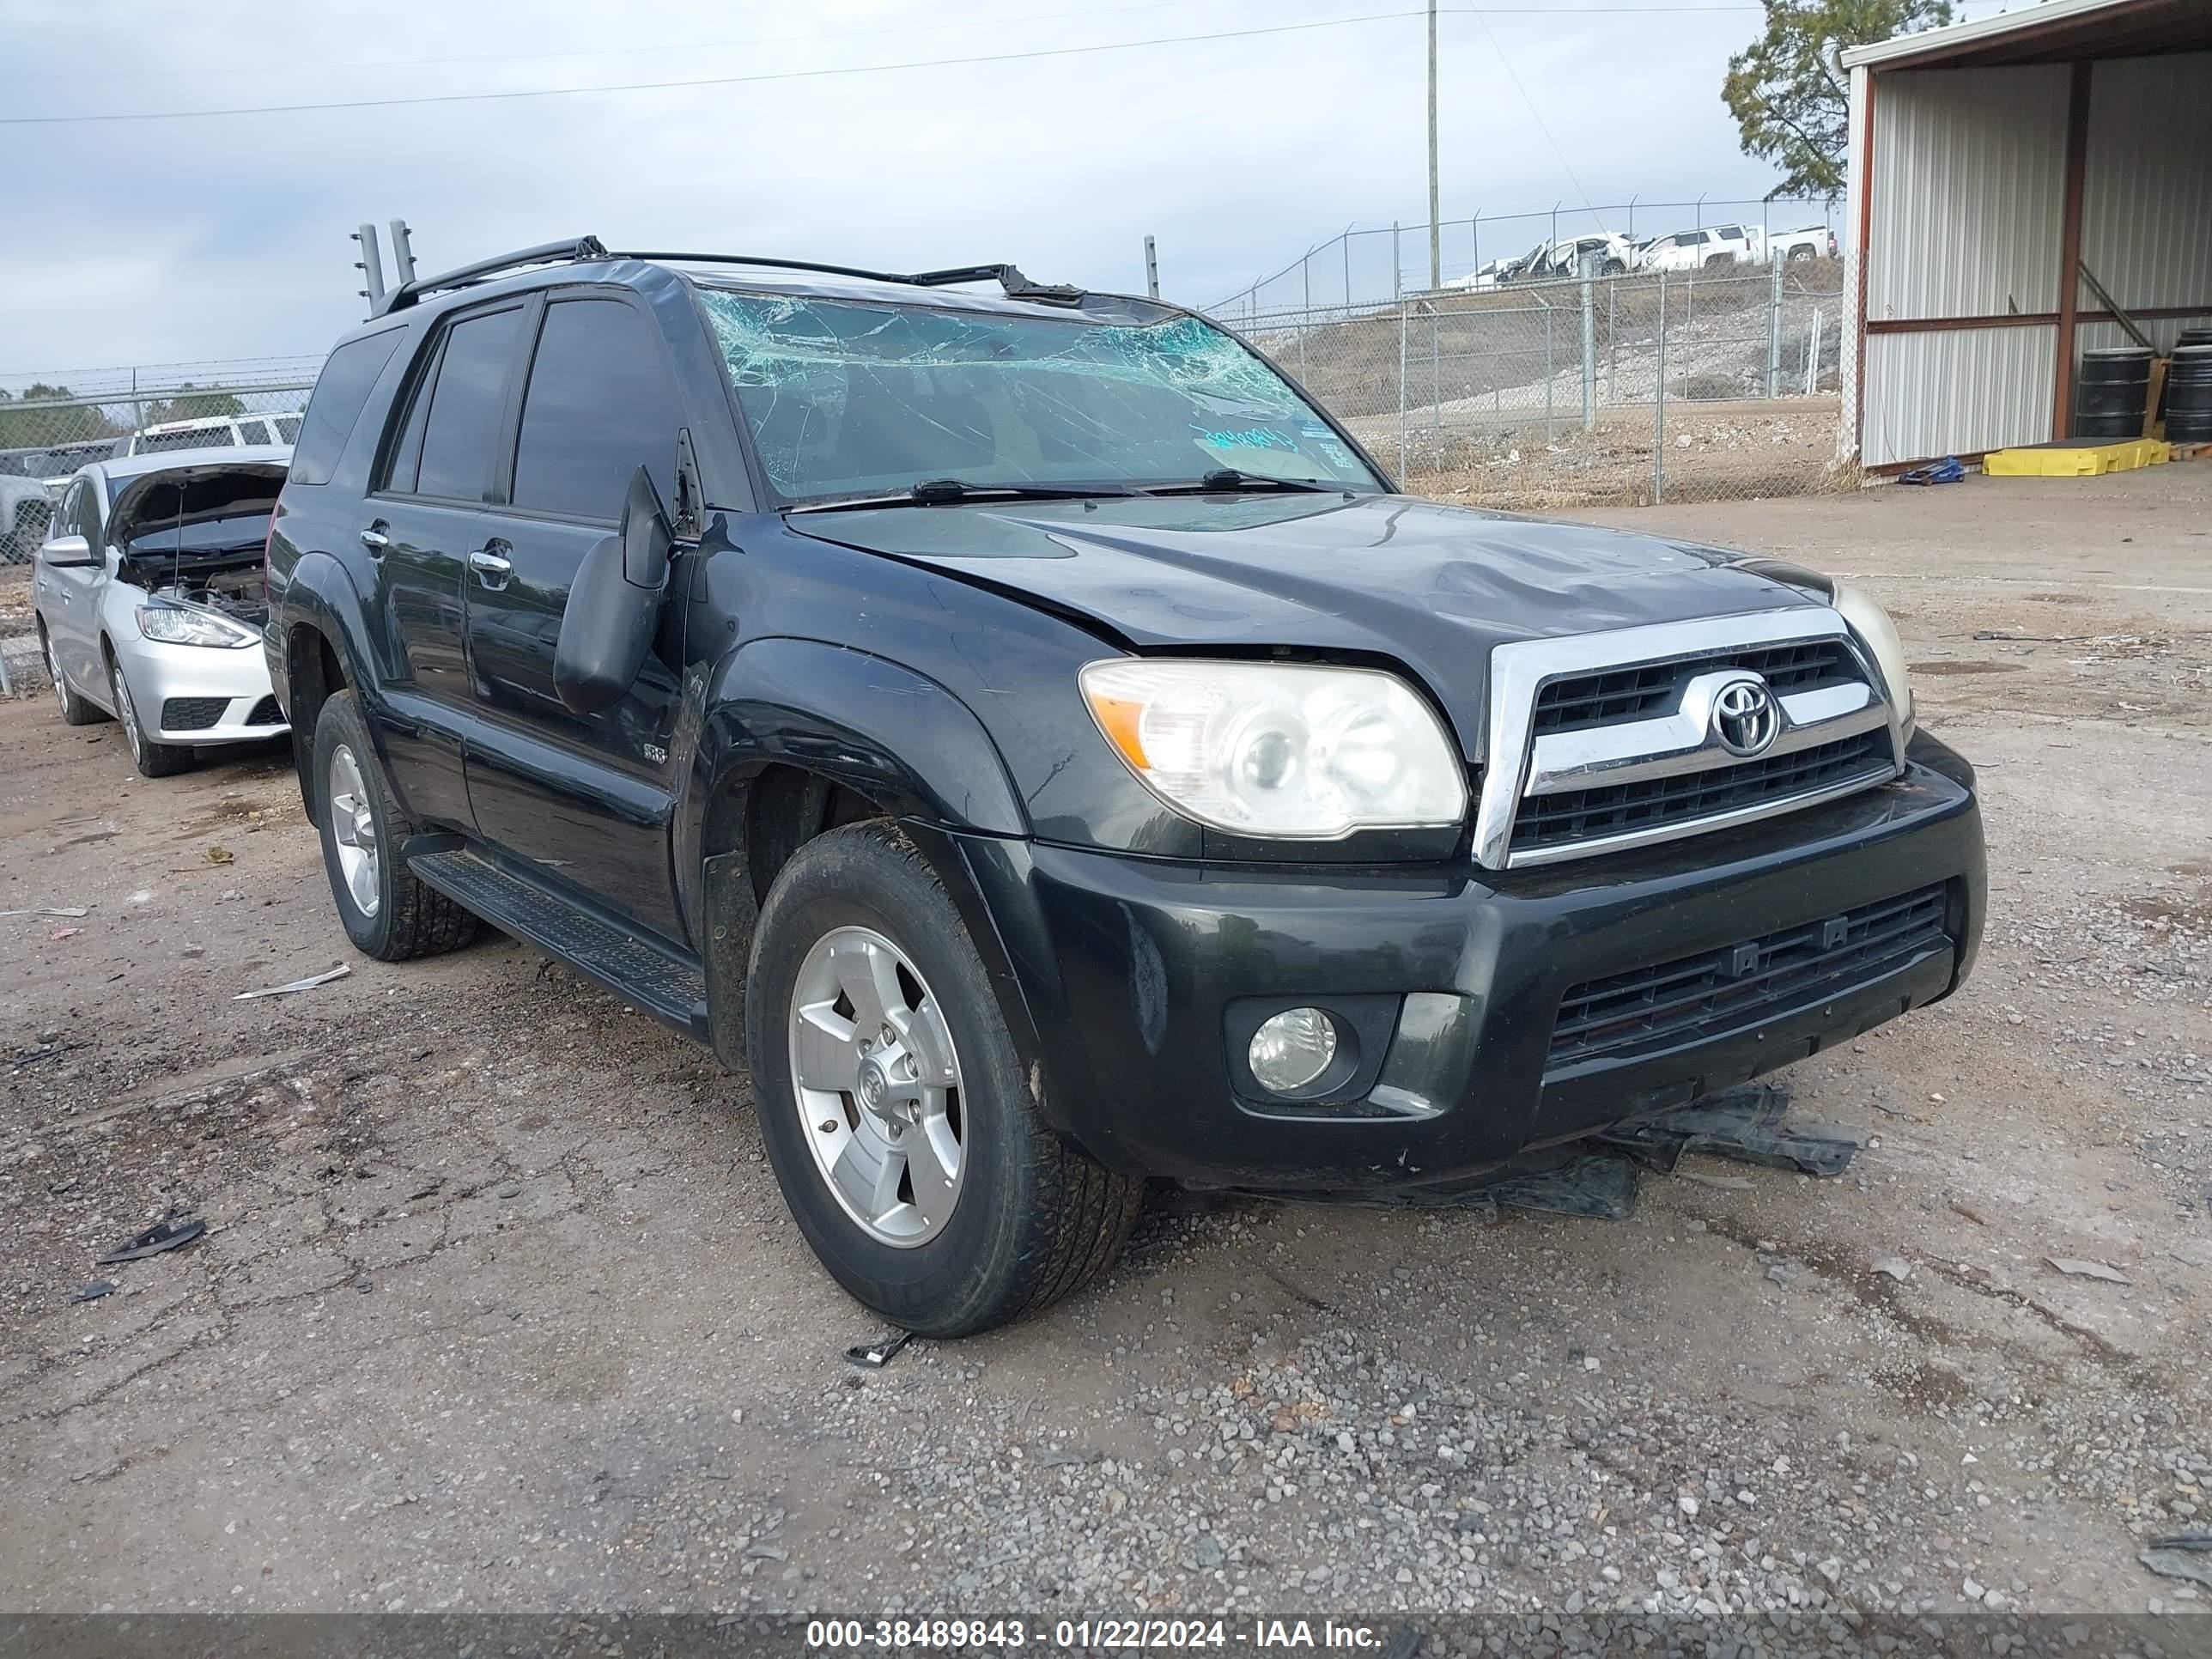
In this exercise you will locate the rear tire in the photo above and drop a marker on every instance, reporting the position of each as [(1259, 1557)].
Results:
[(387, 913), (154, 760), (76, 710), (1030, 1217)]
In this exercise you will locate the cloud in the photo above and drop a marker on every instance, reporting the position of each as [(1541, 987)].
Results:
[(190, 240)]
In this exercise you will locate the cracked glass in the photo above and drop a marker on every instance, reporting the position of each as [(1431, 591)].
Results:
[(856, 397)]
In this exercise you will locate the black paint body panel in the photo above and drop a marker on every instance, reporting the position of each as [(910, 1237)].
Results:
[(925, 658)]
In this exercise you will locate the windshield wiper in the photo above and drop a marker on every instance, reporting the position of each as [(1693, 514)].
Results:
[(1226, 478), (940, 492)]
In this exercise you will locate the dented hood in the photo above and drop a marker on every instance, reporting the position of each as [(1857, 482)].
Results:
[(1430, 586)]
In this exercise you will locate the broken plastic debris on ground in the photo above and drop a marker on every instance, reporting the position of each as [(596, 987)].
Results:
[(1598, 1178), (306, 984)]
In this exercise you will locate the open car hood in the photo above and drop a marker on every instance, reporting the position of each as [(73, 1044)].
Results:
[(151, 501)]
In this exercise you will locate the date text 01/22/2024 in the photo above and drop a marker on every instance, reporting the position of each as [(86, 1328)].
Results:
[(1003, 1634)]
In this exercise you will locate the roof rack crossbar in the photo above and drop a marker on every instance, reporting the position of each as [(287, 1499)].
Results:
[(546, 254), (1008, 277), (772, 264)]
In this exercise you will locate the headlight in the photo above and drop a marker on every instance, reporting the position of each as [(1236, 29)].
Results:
[(1279, 750), (172, 625), (1878, 635)]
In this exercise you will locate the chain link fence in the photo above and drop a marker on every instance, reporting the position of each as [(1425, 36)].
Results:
[(50, 425), (1609, 391)]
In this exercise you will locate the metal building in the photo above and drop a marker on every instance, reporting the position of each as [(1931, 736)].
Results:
[(1990, 162)]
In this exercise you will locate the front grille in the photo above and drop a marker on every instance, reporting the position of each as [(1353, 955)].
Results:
[(1722, 992), (267, 712), (1612, 695), (192, 714), (1619, 809)]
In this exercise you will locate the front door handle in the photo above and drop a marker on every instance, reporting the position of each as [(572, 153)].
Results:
[(491, 563), (375, 540)]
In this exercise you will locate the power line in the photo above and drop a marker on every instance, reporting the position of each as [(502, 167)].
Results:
[(716, 44), (857, 69), (1506, 63)]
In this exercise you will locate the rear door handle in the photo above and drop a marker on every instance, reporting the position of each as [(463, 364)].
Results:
[(375, 540)]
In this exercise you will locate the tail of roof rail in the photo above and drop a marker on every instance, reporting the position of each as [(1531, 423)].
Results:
[(546, 254)]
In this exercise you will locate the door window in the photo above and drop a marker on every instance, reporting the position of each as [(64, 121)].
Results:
[(599, 405), (468, 407)]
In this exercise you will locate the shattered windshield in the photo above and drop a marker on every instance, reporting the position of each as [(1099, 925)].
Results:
[(853, 398)]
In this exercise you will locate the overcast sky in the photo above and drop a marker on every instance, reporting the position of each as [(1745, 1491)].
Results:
[(182, 241)]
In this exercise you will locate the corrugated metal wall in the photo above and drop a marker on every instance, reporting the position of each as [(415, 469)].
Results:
[(1968, 185), (1957, 391), (2146, 191), (1969, 191), (1969, 182)]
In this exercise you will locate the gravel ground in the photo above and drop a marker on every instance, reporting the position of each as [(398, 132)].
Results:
[(499, 1308)]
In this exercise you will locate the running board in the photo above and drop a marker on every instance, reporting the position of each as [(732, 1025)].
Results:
[(644, 974)]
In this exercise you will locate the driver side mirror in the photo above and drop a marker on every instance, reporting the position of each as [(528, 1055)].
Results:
[(614, 606), (69, 553)]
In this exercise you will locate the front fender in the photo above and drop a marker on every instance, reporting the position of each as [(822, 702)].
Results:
[(847, 718), (881, 730)]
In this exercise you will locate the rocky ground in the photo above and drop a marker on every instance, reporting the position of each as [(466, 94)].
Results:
[(499, 1308)]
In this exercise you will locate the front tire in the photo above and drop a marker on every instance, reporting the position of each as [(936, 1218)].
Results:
[(153, 760), (895, 1108), (76, 710), (387, 913)]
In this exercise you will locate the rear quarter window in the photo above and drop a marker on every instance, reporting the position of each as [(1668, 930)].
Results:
[(341, 390)]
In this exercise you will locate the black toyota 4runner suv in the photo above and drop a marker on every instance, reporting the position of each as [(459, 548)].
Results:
[(1036, 742)]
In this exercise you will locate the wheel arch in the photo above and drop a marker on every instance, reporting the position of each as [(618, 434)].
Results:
[(320, 614), (798, 737)]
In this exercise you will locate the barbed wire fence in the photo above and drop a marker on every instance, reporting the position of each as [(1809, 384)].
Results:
[(1711, 385), (52, 424)]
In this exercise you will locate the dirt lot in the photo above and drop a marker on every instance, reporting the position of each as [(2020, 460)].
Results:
[(499, 1308)]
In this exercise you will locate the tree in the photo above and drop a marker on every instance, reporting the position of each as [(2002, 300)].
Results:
[(31, 427), (191, 404), (1790, 92)]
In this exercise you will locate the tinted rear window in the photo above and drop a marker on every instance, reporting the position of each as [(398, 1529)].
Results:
[(340, 391), (467, 407), (208, 437)]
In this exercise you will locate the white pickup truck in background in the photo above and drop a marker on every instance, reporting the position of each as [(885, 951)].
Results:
[(1813, 242)]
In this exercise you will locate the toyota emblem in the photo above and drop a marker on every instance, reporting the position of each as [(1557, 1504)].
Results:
[(1745, 717)]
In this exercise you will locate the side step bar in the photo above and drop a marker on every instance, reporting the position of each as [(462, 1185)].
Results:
[(642, 972)]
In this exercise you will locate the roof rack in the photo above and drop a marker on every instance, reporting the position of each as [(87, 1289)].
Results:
[(546, 254), (577, 249)]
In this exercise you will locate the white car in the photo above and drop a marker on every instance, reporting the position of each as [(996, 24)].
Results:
[(1601, 254), (216, 432), (149, 602), (1813, 242), (1484, 276), (1711, 245)]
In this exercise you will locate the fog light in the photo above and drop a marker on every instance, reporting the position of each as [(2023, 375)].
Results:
[(1291, 1049)]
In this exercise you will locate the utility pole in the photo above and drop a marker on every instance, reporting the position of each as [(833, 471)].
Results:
[(1436, 242), (1152, 270)]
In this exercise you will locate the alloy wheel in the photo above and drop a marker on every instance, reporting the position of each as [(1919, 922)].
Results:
[(127, 711), (877, 1081), (353, 829)]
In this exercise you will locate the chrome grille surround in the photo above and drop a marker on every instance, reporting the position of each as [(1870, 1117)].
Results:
[(1669, 743)]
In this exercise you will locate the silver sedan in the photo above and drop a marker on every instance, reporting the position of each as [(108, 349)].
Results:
[(149, 602)]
